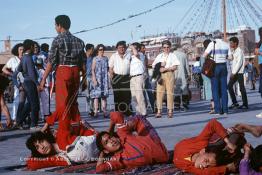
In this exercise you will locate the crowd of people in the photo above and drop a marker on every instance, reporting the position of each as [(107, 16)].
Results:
[(35, 69)]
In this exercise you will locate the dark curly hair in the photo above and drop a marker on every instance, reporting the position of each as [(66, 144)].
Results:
[(39, 136), (15, 49), (256, 158)]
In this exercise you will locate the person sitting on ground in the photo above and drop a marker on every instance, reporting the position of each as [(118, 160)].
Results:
[(126, 149), (73, 144), (255, 130), (251, 164), (196, 155)]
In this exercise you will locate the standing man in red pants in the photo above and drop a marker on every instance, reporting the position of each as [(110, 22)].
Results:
[(67, 54)]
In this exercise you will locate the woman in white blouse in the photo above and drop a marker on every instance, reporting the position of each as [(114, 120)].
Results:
[(169, 63)]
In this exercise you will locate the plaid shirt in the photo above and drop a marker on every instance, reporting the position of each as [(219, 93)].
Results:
[(67, 49)]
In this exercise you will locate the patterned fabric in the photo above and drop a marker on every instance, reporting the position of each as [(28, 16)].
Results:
[(89, 168), (101, 74), (67, 49)]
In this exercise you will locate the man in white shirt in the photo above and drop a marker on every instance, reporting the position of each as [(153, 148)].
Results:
[(169, 63), (119, 69), (218, 50), (238, 65), (137, 81), (10, 68)]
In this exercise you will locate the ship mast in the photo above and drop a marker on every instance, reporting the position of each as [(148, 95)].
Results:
[(224, 19)]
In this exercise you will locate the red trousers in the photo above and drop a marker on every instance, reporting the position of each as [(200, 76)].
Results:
[(67, 85)]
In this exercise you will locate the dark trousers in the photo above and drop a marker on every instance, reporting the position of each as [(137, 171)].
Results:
[(122, 94), (219, 88), (185, 100), (240, 79), (22, 109), (149, 92), (33, 103)]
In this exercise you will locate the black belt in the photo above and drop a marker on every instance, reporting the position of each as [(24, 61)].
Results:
[(221, 63), (135, 75)]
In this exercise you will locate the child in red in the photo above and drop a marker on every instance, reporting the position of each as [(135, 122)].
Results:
[(130, 150), (191, 154)]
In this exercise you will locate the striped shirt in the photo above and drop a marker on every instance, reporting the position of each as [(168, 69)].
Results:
[(220, 52), (67, 49)]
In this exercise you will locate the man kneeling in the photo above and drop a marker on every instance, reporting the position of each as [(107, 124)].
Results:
[(135, 144)]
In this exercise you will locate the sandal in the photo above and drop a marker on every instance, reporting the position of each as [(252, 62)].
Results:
[(158, 115), (170, 114), (1, 127), (212, 111), (9, 124)]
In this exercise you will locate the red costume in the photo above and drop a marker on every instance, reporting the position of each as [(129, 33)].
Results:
[(185, 149), (145, 148)]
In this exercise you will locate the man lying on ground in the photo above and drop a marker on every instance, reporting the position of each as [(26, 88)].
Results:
[(195, 155), (126, 149), (73, 144), (251, 164), (255, 130)]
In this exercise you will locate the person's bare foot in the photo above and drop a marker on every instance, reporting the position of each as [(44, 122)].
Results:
[(253, 129)]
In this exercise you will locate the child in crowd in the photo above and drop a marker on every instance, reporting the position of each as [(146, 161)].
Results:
[(43, 95)]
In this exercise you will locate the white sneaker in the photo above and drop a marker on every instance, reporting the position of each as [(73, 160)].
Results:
[(259, 115), (35, 128)]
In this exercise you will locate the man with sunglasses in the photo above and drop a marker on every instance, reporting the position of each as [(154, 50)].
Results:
[(169, 63)]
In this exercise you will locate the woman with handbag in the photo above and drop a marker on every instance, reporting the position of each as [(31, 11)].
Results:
[(217, 70), (207, 82)]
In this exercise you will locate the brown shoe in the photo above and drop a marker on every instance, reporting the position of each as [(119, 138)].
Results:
[(170, 115), (9, 124), (158, 115)]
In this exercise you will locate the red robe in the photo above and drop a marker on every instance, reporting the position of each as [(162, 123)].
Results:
[(187, 147), (145, 148)]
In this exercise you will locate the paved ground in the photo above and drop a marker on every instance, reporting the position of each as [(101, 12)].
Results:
[(184, 124)]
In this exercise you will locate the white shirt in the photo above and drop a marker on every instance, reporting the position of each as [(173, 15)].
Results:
[(221, 50), (120, 65), (170, 60), (137, 65), (238, 63), (12, 63)]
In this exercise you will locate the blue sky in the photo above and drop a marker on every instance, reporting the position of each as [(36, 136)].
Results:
[(23, 19)]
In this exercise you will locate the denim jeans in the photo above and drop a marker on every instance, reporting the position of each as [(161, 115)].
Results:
[(21, 107), (219, 88)]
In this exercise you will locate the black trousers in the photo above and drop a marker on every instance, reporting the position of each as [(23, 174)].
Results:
[(240, 79), (122, 94)]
